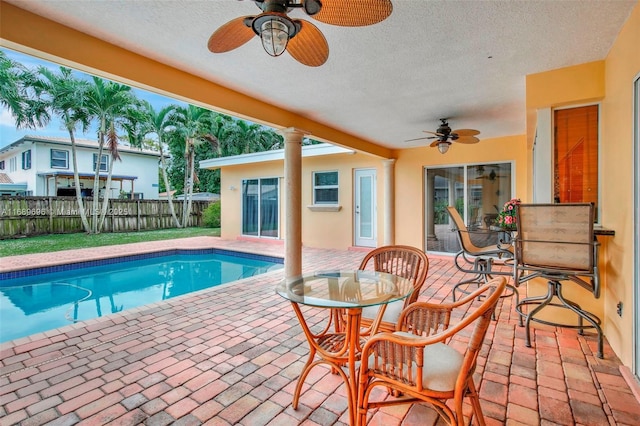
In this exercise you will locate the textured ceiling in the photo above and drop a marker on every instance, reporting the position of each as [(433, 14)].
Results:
[(465, 60)]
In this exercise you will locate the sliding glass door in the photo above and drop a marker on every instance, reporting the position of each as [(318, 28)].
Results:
[(477, 191), (260, 205)]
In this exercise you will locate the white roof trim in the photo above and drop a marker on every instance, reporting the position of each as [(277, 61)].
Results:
[(260, 157)]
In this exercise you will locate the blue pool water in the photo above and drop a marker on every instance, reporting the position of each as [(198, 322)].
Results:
[(39, 300)]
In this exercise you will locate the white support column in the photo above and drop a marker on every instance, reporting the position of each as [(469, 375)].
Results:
[(292, 202), (389, 201)]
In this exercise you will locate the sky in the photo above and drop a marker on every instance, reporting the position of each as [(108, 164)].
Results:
[(8, 131)]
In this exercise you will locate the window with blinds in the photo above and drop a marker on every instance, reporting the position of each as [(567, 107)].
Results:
[(576, 155)]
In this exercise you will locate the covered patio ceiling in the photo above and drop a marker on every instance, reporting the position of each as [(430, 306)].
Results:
[(383, 84)]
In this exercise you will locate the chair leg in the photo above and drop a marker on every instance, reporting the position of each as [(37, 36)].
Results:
[(481, 268), (475, 404), (555, 289), (541, 301), (591, 318)]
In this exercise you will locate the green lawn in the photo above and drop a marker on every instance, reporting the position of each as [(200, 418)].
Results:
[(50, 243)]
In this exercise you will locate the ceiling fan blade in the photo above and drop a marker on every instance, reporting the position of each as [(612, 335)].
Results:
[(353, 13), (466, 132), (419, 139), (467, 140), (231, 35), (435, 143), (309, 47), (433, 133)]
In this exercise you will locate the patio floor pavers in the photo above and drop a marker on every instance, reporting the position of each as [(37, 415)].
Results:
[(231, 355)]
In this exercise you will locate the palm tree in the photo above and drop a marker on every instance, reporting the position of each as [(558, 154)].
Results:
[(158, 123), (190, 123), (107, 102), (18, 96), (63, 95)]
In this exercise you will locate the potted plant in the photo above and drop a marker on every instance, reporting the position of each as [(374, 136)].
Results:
[(507, 217)]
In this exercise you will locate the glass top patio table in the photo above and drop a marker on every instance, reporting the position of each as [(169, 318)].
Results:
[(344, 293), (345, 289)]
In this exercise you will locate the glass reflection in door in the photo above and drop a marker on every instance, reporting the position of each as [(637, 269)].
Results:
[(478, 193), (260, 215)]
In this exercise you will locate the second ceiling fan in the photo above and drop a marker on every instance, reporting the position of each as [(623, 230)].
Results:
[(300, 38), (444, 136)]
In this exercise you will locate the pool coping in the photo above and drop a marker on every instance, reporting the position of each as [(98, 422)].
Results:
[(72, 266), (41, 260)]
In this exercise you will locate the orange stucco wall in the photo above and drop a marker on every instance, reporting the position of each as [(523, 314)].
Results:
[(611, 83), (325, 229), (621, 68), (409, 180)]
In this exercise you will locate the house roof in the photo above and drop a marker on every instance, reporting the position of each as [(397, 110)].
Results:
[(4, 178), (278, 154), (383, 84), (84, 143), (67, 174)]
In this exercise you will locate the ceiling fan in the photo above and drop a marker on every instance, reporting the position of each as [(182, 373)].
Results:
[(493, 175), (445, 136), (300, 38)]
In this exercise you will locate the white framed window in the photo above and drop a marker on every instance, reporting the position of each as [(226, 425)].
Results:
[(104, 162), (2, 165), (26, 160), (59, 159), (325, 187), (13, 164)]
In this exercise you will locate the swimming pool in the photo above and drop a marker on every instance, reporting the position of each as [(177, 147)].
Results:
[(36, 300)]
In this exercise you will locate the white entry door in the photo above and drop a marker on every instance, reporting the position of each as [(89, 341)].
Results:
[(365, 208)]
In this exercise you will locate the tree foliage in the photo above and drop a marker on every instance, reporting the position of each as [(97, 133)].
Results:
[(183, 136)]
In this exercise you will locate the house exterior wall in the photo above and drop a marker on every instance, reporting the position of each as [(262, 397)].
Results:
[(609, 82), (326, 229), (409, 178), (622, 66), (144, 166)]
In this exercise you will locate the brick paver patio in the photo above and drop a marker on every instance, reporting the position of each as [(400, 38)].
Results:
[(231, 355)]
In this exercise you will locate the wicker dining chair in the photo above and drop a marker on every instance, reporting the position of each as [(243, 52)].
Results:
[(405, 261), (421, 361)]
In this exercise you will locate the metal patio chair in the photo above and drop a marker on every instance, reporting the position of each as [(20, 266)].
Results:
[(556, 242), (479, 258)]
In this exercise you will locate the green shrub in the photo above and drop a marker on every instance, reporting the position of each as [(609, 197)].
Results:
[(211, 218)]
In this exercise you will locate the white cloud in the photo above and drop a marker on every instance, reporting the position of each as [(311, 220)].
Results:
[(6, 119)]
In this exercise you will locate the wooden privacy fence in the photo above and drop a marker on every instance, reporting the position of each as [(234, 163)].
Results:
[(29, 216)]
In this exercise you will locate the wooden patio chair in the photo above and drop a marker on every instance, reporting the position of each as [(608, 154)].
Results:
[(405, 261), (419, 363)]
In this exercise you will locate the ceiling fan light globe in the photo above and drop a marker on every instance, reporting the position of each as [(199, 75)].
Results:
[(443, 147), (275, 36)]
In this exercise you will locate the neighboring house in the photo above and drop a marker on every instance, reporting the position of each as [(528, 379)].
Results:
[(8, 187), (42, 166)]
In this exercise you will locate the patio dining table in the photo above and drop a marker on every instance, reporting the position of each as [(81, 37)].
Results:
[(340, 291)]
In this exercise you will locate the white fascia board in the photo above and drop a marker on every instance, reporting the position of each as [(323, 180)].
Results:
[(260, 157)]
